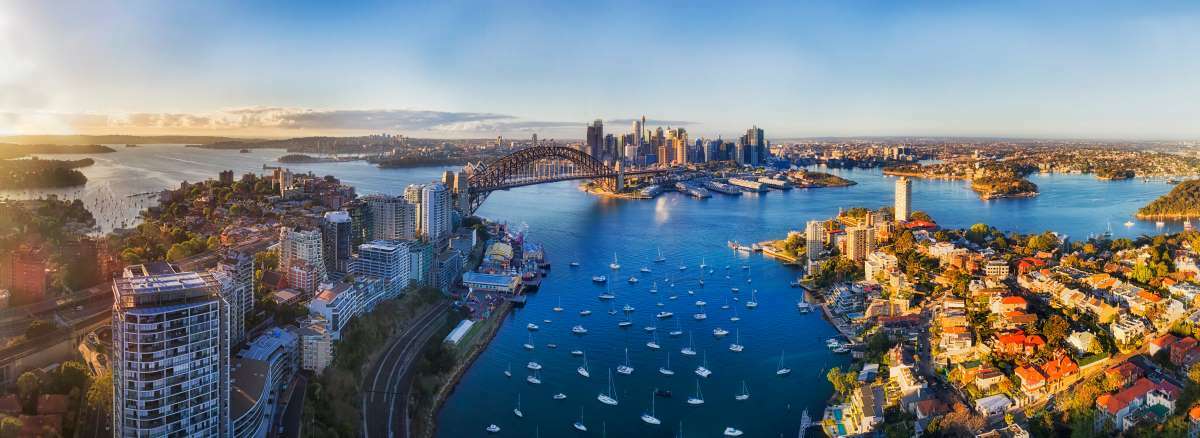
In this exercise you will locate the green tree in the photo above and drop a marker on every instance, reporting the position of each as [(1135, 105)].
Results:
[(100, 392), (10, 426), (28, 387), (1055, 329)]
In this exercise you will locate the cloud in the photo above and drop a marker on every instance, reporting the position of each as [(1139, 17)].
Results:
[(653, 122), (284, 119)]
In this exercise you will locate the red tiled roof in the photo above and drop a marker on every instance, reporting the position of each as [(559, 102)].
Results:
[(1164, 340), (1013, 299), (1194, 413), (1059, 368), (1149, 296), (1030, 376)]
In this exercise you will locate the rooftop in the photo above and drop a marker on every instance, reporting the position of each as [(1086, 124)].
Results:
[(249, 380)]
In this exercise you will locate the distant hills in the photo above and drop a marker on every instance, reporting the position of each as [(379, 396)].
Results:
[(118, 139)]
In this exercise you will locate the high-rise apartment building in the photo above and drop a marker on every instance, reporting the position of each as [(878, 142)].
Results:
[(860, 241), (387, 261), (392, 218), (903, 206), (235, 272), (170, 354), (336, 233), (300, 245), (435, 213), (814, 239), (412, 195)]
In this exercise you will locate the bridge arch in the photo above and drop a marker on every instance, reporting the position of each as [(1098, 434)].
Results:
[(512, 170)]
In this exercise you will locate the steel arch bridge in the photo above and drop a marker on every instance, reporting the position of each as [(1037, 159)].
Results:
[(541, 165)]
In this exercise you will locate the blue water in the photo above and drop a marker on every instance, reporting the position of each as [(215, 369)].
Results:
[(576, 226)]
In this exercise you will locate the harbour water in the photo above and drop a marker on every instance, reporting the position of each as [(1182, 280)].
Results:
[(575, 226)]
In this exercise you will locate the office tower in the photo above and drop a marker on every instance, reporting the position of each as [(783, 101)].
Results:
[(297, 246), (637, 139), (595, 138), (235, 271), (534, 139), (336, 237), (435, 213), (814, 236), (741, 152), (387, 261), (860, 241), (392, 218), (903, 206), (757, 145), (170, 354)]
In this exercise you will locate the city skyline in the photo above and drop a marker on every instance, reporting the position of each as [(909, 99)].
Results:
[(478, 70)]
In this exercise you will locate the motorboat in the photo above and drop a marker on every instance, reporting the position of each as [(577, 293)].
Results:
[(533, 365), (650, 328), (585, 312), (606, 296), (579, 330), (633, 280), (645, 270), (700, 316), (627, 308), (560, 396), (531, 326), (574, 264), (719, 332), (599, 279), (493, 429), (664, 315), (577, 352), (508, 371), (624, 324), (731, 431)]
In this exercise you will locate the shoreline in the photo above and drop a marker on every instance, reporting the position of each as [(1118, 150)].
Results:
[(429, 424)]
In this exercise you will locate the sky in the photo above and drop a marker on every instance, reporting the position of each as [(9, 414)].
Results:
[(1063, 69)]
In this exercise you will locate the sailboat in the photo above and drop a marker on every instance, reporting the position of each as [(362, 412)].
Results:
[(703, 265), (703, 370), (529, 343), (533, 379), (614, 265), (745, 395), (735, 317), (645, 269), (753, 299), (697, 399), (608, 398), (720, 332), (677, 331), (653, 342), (666, 370), (579, 424), (782, 371), (736, 346), (508, 371), (625, 368), (654, 287), (649, 418), (583, 369), (517, 410), (805, 422), (660, 258), (689, 350), (558, 308)]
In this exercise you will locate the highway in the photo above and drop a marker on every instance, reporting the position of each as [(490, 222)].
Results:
[(385, 388)]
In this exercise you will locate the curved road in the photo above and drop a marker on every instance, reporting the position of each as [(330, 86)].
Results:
[(385, 387)]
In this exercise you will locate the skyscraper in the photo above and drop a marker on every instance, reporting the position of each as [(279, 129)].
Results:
[(336, 238), (637, 139), (860, 241), (595, 138), (814, 236), (387, 261), (392, 218), (235, 272), (435, 213), (903, 206), (170, 354), (412, 195)]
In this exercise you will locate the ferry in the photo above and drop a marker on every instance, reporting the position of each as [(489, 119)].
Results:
[(775, 183), (722, 188), (695, 192), (803, 307)]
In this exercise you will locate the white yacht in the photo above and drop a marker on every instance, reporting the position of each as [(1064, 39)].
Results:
[(753, 303), (782, 371), (533, 365), (653, 342), (700, 316), (666, 370), (700, 303), (697, 399), (624, 324), (579, 424), (703, 370), (558, 308), (493, 428), (614, 265), (574, 264), (664, 315), (599, 279), (517, 410), (690, 349), (627, 308), (529, 343), (508, 371), (660, 258), (625, 368), (579, 330), (583, 369), (608, 398), (606, 296), (731, 431), (577, 352), (650, 328), (533, 379), (719, 332), (654, 287), (737, 346), (745, 395), (677, 331), (560, 396), (649, 418)]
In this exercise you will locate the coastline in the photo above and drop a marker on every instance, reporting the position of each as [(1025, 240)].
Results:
[(427, 423)]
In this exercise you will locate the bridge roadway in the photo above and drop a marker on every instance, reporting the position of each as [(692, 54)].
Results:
[(386, 385)]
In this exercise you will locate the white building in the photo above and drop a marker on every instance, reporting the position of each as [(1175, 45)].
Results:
[(316, 346), (996, 268), (903, 206), (337, 304), (877, 263), (387, 261), (170, 354), (435, 213), (814, 235), (302, 245), (392, 218), (1127, 330)]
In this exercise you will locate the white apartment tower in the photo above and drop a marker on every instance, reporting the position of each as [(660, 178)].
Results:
[(302, 245), (435, 212), (170, 354), (903, 199), (814, 236)]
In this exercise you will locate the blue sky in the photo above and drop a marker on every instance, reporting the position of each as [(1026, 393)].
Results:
[(478, 69)]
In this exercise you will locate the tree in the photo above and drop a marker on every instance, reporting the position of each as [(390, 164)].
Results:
[(37, 328), (10, 426), (920, 216), (28, 386), (905, 242), (843, 383), (1055, 329), (978, 233), (100, 393)]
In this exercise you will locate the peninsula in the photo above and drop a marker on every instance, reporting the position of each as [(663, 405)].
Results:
[(1182, 202)]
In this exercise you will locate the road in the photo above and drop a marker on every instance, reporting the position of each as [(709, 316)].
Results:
[(385, 391)]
